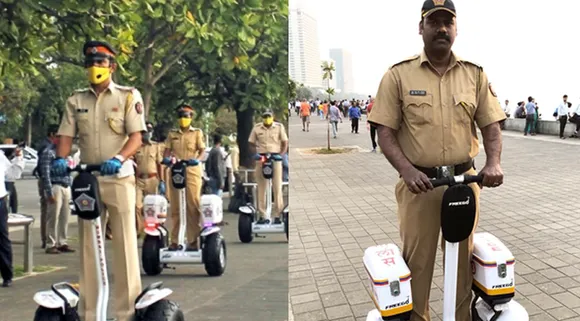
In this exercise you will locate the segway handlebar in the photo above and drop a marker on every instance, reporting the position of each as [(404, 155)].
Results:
[(85, 168), (265, 156), (459, 179)]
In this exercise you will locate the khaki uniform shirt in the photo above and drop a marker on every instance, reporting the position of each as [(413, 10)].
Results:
[(103, 123), (186, 145), (147, 158), (268, 140), (435, 115)]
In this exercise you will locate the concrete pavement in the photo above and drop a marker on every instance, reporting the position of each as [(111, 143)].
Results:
[(254, 286), (341, 204)]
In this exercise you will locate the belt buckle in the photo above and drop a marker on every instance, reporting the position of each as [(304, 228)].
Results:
[(445, 171)]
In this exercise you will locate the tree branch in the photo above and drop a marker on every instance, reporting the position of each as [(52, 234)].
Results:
[(168, 65)]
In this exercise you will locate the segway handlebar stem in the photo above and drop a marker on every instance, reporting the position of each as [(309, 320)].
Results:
[(85, 168), (454, 180)]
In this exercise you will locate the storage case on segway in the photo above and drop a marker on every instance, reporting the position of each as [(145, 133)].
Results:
[(390, 282), (211, 209), (493, 269), (153, 204)]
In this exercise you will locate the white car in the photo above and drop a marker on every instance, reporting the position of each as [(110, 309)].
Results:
[(30, 157)]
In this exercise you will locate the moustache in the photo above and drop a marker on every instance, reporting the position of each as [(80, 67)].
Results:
[(441, 36)]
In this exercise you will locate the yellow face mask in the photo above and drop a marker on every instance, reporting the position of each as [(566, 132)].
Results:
[(268, 121), (98, 74), (184, 122)]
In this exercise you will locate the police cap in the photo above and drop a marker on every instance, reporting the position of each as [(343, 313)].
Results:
[(267, 113), (430, 6), (98, 48)]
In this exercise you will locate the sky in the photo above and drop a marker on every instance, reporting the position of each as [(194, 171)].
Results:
[(527, 48)]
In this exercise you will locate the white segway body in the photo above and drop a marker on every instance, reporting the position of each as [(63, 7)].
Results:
[(155, 215), (493, 267), (212, 252), (61, 302), (389, 283)]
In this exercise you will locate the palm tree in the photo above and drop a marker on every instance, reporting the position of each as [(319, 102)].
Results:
[(327, 70)]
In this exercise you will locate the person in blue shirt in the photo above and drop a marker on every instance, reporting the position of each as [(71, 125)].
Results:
[(354, 115), (530, 116)]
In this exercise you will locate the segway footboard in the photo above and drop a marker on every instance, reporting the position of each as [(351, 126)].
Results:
[(389, 282)]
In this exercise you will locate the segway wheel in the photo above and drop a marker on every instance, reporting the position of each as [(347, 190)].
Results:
[(286, 224), (46, 314), (245, 228), (214, 254), (150, 255), (163, 310)]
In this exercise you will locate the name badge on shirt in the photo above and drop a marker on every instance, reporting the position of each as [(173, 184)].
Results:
[(82, 110), (418, 93)]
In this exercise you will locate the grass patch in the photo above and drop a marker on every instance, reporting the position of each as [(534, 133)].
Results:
[(19, 269), (331, 151)]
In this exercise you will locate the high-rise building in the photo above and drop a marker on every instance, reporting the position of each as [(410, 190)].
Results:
[(343, 64), (304, 55)]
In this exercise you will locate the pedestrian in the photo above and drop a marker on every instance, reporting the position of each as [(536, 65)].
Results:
[(57, 194), (419, 133), (215, 167), (13, 174), (530, 116), (305, 115), (186, 143), (333, 117), (354, 115), (148, 173), (562, 115), (108, 118), (373, 128), (269, 137), (6, 268)]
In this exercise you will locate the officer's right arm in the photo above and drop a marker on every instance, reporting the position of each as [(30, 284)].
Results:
[(67, 129), (253, 140), (167, 144)]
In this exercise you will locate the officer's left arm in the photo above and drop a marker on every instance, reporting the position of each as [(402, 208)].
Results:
[(488, 115), (283, 139), (253, 139), (200, 145), (134, 125)]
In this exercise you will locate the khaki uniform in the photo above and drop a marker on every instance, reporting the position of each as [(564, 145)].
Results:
[(435, 120), (147, 158), (103, 125), (269, 140), (186, 146)]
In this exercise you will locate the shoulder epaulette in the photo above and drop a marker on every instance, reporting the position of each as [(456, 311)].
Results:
[(82, 90), (406, 60), (126, 88), (471, 63), (174, 130)]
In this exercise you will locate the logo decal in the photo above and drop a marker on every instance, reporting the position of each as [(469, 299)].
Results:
[(85, 203)]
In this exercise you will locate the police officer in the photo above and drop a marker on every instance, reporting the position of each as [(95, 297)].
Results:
[(148, 160), (186, 143), (426, 110), (269, 137), (108, 118)]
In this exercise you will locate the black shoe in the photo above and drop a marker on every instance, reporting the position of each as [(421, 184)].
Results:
[(7, 283), (43, 245), (277, 221), (261, 221)]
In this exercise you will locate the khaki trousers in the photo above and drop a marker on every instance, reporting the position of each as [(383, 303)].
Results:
[(192, 213), (43, 210), (420, 223), (278, 204), (144, 187), (58, 215), (118, 196)]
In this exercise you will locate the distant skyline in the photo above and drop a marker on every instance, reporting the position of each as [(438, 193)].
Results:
[(526, 48)]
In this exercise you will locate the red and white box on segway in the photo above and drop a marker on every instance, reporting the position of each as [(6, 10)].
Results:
[(211, 210), (154, 211), (390, 282), (493, 270)]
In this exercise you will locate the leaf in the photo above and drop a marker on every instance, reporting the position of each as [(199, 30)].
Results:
[(189, 17), (149, 8)]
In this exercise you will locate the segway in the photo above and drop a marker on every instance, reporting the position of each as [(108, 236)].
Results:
[(248, 224), (212, 253), (156, 234), (60, 303), (492, 266)]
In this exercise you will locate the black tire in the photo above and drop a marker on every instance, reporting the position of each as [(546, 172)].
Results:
[(286, 225), (213, 248), (163, 310), (150, 255), (245, 228), (46, 314)]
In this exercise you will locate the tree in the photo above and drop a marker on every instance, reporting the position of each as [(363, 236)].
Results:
[(327, 70)]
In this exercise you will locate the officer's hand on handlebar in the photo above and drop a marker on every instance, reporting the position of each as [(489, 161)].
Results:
[(59, 167), (166, 161), (111, 167), (192, 162), (162, 188), (417, 182), (277, 157), (492, 175)]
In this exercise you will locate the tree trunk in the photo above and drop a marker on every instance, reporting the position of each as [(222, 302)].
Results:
[(328, 134), (245, 124), (147, 95)]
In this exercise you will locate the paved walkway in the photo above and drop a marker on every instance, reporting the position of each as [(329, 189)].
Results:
[(342, 204), (253, 288)]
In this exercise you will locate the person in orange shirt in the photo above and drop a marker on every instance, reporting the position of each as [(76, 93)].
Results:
[(305, 115)]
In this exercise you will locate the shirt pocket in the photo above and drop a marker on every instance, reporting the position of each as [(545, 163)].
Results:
[(82, 119), (464, 108), (418, 109), (116, 121)]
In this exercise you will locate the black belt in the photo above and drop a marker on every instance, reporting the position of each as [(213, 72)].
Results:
[(61, 184), (444, 171)]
